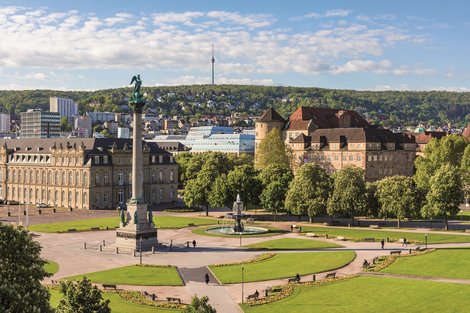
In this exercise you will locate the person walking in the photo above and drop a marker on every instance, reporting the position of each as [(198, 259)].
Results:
[(382, 243), (194, 243), (206, 278), (404, 242)]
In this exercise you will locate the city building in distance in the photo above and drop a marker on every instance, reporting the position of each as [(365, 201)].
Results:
[(83, 173), (5, 123), (64, 106), (36, 123), (336, 138)]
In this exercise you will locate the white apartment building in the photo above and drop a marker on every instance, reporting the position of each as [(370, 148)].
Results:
[(65, 107), (5, 122)]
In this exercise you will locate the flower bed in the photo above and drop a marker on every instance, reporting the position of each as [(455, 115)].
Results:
[(287, 290), (262, 257), (137, 298)]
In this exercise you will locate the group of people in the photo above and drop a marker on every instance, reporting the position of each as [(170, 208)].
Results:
[(404, 243)]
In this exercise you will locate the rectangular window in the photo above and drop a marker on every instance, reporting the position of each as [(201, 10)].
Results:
[(105, 179), (351, 158), (121, 196), (154, 159), (97, 159), (105, 159), (375, 158), (120, 178), (161, 194), (336, 157), (97, 197), (343, 158), (359, 158), (105, 197), (97, 179), (380, 157), (369, 158)]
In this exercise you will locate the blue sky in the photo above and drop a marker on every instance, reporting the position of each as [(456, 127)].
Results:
[(373, 45)]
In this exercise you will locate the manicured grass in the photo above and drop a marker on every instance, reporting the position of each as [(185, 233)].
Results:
[(373, 294), (292, 243), (144, 275), (112, 222), (51, 267), (272, 231), (447, 263), (359, 234), (283, 265), (117, 304)]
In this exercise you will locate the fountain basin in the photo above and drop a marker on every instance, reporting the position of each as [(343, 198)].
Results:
[(228, 230)]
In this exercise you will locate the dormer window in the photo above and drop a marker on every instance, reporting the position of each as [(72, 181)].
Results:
[(97, 159)]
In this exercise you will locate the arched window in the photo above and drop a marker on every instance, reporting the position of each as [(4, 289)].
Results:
[(160, 176), (171, 175), (56, 197), (85, 199), (85, 179), (62, 199), (38, 176), (31, 176), (64, 177), (49, 180), (77, 178), (44, 176), (70, 177), (56, 178)]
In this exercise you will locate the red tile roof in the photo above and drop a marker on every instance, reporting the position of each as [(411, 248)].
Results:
[(270, 115), (466, 132), (323, 118)]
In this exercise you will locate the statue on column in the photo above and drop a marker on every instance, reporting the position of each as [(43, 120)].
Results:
[(136, 101)]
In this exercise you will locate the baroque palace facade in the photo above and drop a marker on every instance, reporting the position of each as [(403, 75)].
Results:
[(83, 173), (337, 138)]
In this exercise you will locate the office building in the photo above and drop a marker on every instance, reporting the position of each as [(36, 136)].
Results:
[(65, 107)]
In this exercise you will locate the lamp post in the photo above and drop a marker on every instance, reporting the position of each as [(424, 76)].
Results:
[(240, 239), (140, 249), (243, 281), (426, 241)]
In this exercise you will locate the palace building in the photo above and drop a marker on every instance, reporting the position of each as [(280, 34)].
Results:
[(337, 138), (83, 173)]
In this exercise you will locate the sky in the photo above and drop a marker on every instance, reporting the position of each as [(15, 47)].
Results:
[(362, 45)]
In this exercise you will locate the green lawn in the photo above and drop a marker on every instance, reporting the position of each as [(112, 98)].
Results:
[(373, 294), (292, 243), (447, 263), (51, 267), (135, 275), (112, 222), (117, 304), (359, 234), (283, 265), (272, 231)]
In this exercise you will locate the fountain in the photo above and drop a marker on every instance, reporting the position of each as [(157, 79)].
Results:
[(237, 228)]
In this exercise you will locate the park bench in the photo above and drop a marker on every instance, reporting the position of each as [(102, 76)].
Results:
[(71, 230), (418, 248), (109, 286), (331, 275), (333, 223), (95, 228), (395, 252), (173, 300), (293, 280), (250, 220), (369, 239), (467, 230), (375, 226), (253, 296), (311, 235)]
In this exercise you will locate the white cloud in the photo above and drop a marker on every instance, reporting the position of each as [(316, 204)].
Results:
[(36, 76), (182, 41)]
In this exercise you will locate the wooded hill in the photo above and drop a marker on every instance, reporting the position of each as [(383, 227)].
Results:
[(389, 108)]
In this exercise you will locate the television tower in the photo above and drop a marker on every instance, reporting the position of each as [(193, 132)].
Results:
[(213, 61)]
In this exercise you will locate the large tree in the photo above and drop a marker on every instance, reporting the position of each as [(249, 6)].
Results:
[(397, 196), (445, 194), (243, 180), (275, 180), (271, 150), (349, 197), (21, 273), (465, 172), (447, 150), (81, 297), (308, 191)]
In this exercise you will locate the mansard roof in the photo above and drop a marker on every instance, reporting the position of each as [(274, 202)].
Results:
[(323, 118), (360, 135)]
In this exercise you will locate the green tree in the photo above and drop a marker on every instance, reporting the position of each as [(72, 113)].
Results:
[(64, 124), (275, 180), (199, 306), (219, 197), (308, 192), (81, 297), (372, 207), (397, 197), (243, 180), (21, 273), (447, 150), (271, 150), (349, 197), (445, 194), (183, 160), (465, 172)]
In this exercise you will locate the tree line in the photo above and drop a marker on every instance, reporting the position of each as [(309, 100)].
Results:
[(387, 108), (436, 190)]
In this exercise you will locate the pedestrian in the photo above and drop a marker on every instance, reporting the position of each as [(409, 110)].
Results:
[(382, 243), (404, 242), (194, 243), (206, 278), (291, 228)]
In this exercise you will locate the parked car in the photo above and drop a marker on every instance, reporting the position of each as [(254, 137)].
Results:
[(12, 202), (42, 205)]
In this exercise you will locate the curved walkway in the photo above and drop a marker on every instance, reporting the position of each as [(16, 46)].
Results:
[(67, 250)]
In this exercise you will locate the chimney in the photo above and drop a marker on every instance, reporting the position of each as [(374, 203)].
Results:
[(344, 119)]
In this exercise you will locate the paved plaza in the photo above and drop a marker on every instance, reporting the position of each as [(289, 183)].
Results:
[(68, 251)]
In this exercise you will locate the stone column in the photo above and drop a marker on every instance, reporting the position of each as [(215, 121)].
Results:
[(137, 157)]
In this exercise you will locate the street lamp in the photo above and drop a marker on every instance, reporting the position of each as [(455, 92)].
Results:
[(426, 240), (240, 239), (140, 249), (243, 281)]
